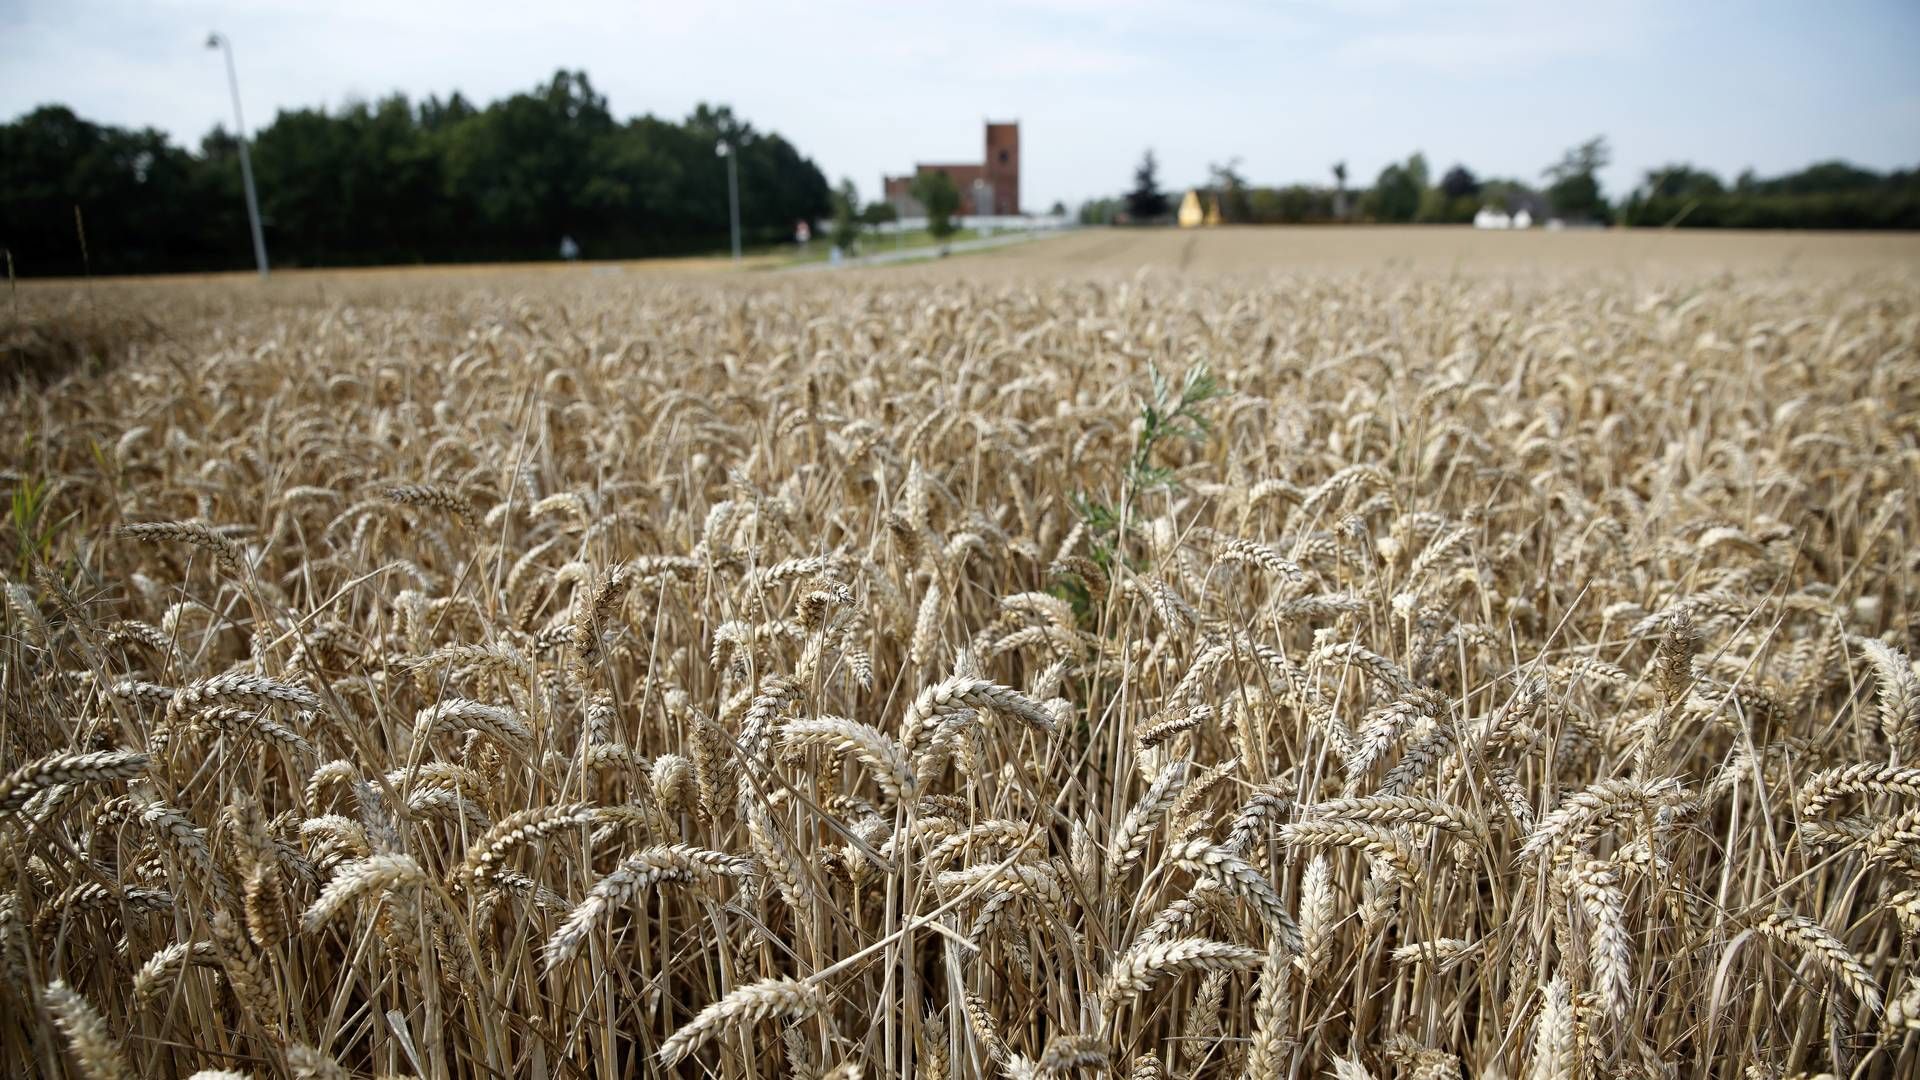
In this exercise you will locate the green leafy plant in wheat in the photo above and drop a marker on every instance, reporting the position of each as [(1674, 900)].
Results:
[(1165, 417), (34, 529)]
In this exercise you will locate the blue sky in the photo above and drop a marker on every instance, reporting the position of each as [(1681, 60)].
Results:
[(866, 88)]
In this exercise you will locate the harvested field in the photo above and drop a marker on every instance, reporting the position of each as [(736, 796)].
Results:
[(1144, 654), (1428, 249)]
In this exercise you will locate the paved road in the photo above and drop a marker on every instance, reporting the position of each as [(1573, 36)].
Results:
[(985, 243)]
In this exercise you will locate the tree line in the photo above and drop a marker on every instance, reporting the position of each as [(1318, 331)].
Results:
[(395, 181), (1828, 195)]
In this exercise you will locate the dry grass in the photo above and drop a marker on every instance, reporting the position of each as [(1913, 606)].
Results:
[(1513, 677)]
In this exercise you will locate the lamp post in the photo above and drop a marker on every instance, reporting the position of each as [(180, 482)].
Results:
[(733, 194), (217, 40)]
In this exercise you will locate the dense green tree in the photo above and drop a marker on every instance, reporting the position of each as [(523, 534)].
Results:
[(1825, 178), (1578, 197), (437, 115), (522, 169), (879, 212), (777, 185), (1574, 190), (334, 185), (1395, 196), (1459, 183), (1506, 194), (392, 182), (1293, 205), (1146, 201), (1455, 200), (1231, 188), (1417, 170), (936, 192), (1674, 181), (846, 216), (139, 198), (1829, 195)]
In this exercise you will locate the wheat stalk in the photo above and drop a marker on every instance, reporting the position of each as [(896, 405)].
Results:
[(1136, 971), (635, 874), (60, 769), (786, 998), (95, 1050)]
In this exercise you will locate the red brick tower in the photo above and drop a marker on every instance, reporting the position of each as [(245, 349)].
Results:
[(1003, 167)]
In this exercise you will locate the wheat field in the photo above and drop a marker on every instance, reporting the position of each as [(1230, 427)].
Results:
[(998, 669)]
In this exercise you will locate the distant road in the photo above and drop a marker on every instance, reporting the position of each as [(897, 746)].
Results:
[(688, 265), (446, 273), (919, 254)]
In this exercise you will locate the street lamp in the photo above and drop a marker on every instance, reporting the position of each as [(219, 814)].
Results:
[(217, 40), (733, 194)]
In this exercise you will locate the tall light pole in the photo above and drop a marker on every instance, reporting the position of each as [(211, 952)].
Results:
[(217, 40), (733, 194)]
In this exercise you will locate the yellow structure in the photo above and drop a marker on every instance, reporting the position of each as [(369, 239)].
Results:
[(1194, 212), (1191, 216)]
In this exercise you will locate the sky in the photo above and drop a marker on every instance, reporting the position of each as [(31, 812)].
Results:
[(1287, 88)]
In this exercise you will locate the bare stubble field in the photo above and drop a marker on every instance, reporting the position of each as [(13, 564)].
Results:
[(1637, 253), (546, 675)]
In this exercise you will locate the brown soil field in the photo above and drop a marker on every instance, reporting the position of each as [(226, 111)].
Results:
[(1206, 252), (1239, 250)]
